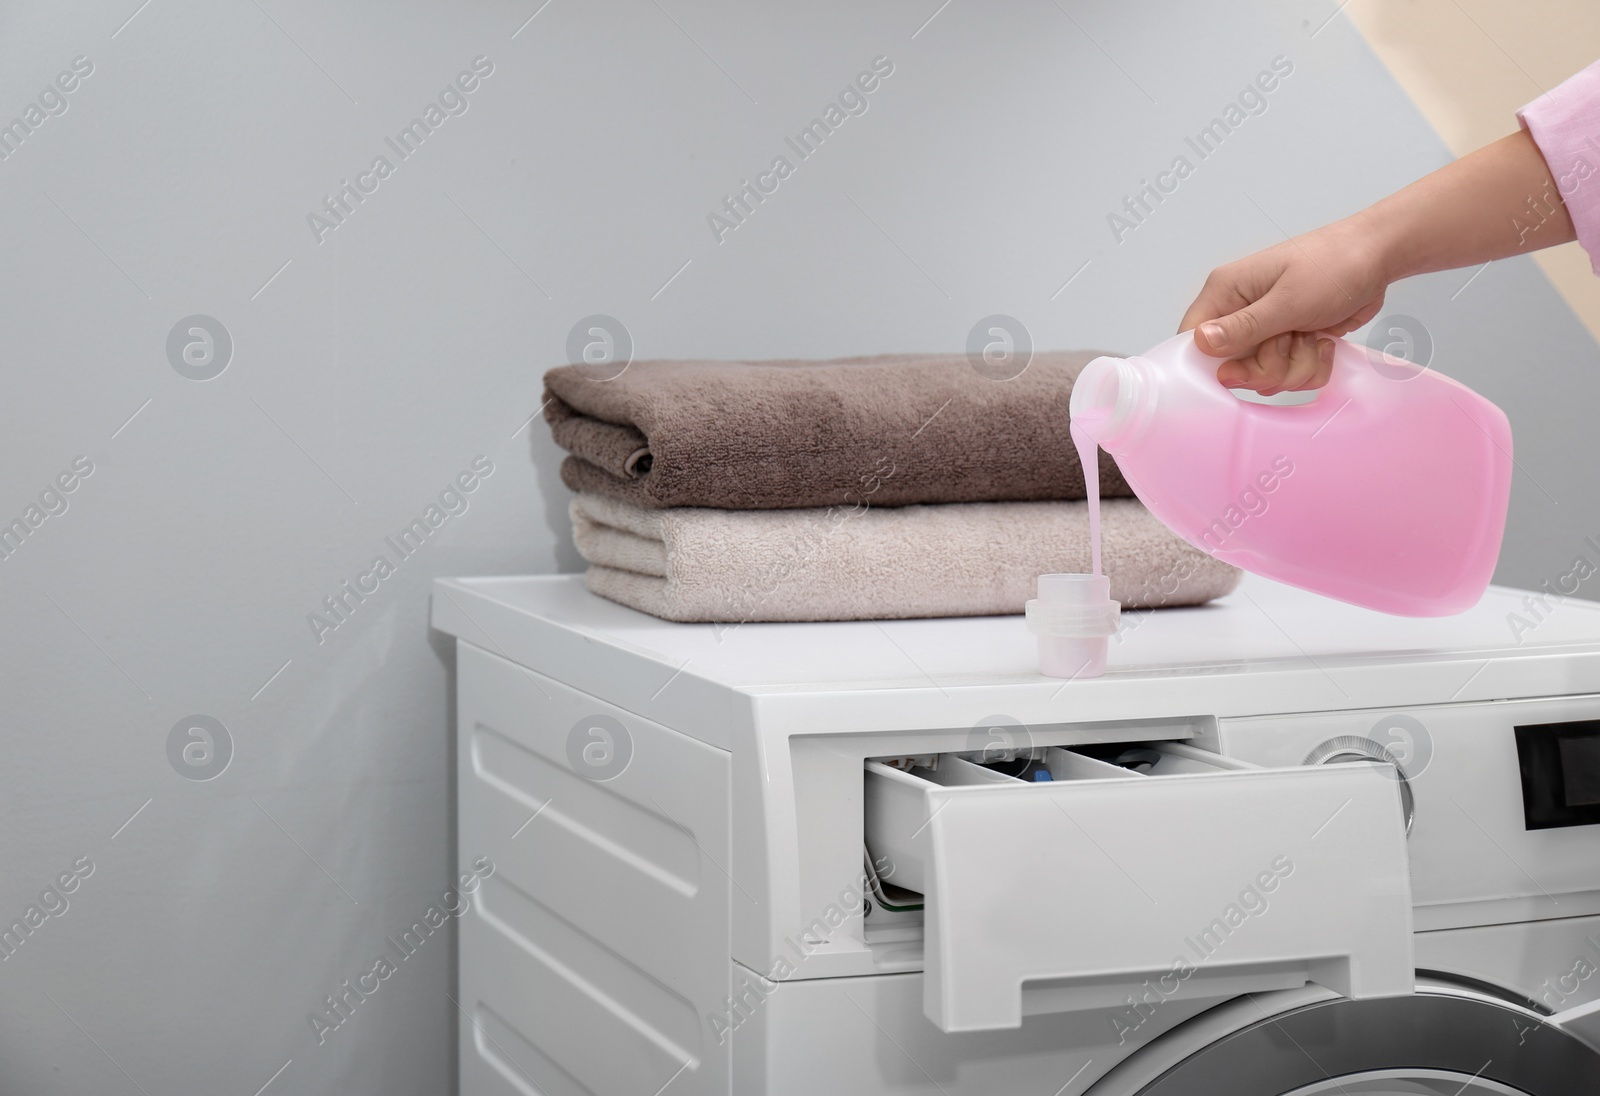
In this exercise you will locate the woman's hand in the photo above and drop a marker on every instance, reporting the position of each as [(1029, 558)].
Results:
[(1266, 310)]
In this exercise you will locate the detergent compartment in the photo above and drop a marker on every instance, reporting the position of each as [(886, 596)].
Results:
[(1098, 874)]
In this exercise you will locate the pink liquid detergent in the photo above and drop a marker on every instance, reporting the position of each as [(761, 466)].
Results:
[(1089, 458), (1388, 491)]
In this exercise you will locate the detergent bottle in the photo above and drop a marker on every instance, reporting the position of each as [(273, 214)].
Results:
[(1389, 490)]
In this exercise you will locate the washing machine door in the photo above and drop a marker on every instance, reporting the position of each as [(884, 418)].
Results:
[(1445, 1040)]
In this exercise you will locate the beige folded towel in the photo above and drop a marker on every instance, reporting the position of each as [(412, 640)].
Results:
[(889, 431), (835, 563)]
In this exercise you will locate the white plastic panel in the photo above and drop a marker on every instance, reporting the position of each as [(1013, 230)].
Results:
[(1553, 962), (1475, 861), (1084, 892), (868, 1037), (594, 956)]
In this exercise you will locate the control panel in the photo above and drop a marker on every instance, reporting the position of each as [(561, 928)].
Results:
[(1560, 765)]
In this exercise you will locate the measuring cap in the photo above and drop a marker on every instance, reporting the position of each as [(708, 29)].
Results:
[(1073, 616)]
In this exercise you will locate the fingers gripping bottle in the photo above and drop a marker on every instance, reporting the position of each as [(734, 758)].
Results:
[(1388, 491)]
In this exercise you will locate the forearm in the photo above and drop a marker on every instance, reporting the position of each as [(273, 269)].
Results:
[(1492, 203)]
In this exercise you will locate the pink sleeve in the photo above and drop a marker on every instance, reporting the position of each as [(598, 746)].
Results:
[(1565, 124)]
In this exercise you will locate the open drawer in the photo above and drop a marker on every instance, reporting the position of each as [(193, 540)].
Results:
[(1185, 875)]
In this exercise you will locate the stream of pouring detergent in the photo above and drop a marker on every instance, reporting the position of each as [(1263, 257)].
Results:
[(1074, 615), (1089, 460)]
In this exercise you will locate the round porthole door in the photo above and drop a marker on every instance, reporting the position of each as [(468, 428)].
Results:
[(1442, 1041)]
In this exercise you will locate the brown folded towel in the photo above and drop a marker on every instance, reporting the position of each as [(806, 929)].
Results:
[(835, 563), (887, 431)]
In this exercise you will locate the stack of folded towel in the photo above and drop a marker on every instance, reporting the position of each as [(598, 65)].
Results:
[(861, 488)]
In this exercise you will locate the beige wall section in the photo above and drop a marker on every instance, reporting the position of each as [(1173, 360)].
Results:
[(1470, 64)]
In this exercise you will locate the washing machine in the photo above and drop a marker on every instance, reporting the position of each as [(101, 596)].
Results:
[(1282, 847)]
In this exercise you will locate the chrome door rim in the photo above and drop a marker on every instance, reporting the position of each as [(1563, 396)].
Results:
[(1456, 1031), (1407, 1082)]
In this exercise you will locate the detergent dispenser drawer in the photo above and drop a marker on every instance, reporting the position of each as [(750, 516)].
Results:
[(1117, 878)]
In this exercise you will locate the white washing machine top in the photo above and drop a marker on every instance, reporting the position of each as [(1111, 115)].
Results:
[(1265, 648)]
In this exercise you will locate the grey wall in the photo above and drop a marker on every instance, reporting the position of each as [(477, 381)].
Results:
[(380, 362)]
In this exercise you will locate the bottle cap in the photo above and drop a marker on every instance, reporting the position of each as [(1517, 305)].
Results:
[(1073, 616), (1078, 606)]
